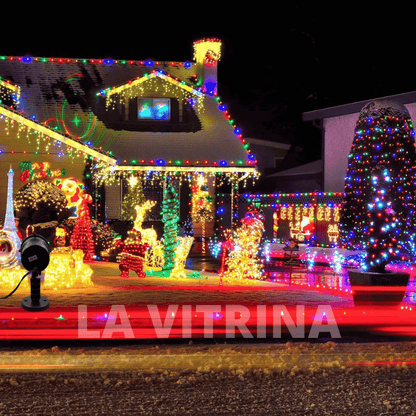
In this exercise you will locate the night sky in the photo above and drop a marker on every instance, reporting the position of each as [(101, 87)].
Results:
[(276, 62)]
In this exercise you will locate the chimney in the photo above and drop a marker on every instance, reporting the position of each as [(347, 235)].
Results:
[(207, 53)]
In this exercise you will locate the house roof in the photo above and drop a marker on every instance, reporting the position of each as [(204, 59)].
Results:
[(57, 137), (306, 169), (66, 95), (405, 98), (268, 143)]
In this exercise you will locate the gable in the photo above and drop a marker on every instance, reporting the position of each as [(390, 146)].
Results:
[(154, 102)]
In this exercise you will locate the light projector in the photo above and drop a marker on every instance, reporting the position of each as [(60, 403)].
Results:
[(35, 258)]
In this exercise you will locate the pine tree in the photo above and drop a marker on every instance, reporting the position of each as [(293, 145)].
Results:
[(134, 197), (384, 137), (170, 219)]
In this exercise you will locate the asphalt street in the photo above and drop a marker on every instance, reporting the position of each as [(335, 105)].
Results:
[(239, 379), (377, 391)]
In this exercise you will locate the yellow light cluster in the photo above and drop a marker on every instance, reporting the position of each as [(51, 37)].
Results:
[(333, 233), (154, 256), (110, 175), (294, 213), (66, 270), (181, 254), (324, 213), (9, 278), (243, 261), (207, 45), (40, 192), (141, 213)]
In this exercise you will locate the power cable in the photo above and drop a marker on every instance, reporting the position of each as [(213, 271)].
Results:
[(14, 290)]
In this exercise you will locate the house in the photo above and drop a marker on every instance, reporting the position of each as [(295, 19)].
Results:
[(269, 154), (112, 119), (303, 178), (337, 125)]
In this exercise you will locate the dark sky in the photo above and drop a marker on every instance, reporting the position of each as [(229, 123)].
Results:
[(277, 61)]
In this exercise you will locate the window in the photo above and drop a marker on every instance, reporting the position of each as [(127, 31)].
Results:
[(154, 109)]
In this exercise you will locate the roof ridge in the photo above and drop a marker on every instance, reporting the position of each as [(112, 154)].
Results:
[(107, 61)]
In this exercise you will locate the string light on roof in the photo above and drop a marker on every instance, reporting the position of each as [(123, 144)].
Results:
[(45, 135), (106, 61), (150, 83)]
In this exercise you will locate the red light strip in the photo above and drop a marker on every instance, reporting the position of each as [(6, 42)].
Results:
[(378, 288)]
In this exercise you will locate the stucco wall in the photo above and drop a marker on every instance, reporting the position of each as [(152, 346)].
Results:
[(339, 134)]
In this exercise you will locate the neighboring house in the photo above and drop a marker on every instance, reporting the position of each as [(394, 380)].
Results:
[(338, 124), (269, 154), (157, 120), (303, 178)]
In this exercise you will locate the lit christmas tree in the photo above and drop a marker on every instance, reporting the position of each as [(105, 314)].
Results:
[(384, 136), (133, 198), (103, 236), (170, 219), (82, 237)]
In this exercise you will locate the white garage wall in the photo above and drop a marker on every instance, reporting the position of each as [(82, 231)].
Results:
[(339, 134)]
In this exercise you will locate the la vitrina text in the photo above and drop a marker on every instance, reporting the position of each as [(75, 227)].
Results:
[(208, 321)]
